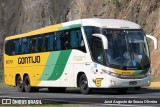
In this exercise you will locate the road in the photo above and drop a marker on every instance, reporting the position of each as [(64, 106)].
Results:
[(96, 99)]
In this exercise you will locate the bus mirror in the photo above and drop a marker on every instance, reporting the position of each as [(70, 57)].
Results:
[(154, 40), (104, 40)]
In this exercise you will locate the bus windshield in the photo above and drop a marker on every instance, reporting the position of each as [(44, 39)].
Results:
[(127, 49)]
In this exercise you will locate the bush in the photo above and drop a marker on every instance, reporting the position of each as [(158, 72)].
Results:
[(116, 3), (1, 76)]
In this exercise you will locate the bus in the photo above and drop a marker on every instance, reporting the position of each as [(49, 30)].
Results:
[(88, 53)]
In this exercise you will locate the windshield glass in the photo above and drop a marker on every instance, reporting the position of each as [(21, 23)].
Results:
[(127, 49)]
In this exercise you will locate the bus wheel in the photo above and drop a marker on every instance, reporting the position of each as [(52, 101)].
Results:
[(57, 89), (19, 84), (83, 84), (27, 85), (122, 90)]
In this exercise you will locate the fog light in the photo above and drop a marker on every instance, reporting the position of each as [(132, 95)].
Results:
[(113, 82)]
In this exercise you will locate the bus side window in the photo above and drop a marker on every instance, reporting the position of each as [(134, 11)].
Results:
[(24, 44), (88, 31), (81, 41), (73, 39), (39, 44), (51, 42), (76, 40), (10, 47), (64, 37), (58, 41), (17, 45), (46, 43), (33, 46)]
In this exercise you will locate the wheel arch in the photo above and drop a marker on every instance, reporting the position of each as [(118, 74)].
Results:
[(17, 75)]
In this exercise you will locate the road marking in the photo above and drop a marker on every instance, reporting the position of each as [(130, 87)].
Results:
[(12, 97)]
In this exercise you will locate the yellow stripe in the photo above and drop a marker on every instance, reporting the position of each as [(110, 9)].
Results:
[(123, 72), (36, 32)]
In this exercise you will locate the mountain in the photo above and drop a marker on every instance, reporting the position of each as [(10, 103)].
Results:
[(20, 16)]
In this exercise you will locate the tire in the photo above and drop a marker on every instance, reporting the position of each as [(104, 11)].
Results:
[(27, 87), (122, 90), (83, 85), (57, 89), (19, 84)]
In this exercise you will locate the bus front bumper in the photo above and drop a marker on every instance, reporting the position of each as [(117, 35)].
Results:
[(114, 82)]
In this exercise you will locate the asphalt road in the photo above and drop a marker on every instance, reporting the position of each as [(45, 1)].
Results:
[(96, 99)]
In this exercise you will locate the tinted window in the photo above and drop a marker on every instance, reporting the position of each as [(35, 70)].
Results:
[(24, 45), (61, 40), (98, 50), (64, 37), (9, 47), (76, 40), (40, 42), (33, 46)]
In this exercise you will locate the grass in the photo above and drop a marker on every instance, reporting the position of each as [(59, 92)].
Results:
[(1, 79), (2, 85), (155, 79)]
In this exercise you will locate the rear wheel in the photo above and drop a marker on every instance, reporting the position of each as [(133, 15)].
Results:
[(122, 90), (57, 89), (83, 85), (19, 84), (27, 86)]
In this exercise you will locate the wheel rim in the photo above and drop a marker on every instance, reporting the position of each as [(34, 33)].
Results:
[(84, 84), (19, 83), (27, 85)]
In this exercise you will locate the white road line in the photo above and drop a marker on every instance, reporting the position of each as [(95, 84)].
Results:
[(12, 97)]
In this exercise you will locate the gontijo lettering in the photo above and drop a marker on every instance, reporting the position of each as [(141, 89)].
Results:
[(28, 60)]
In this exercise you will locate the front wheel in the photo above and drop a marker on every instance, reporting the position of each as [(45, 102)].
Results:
[(83, 85)]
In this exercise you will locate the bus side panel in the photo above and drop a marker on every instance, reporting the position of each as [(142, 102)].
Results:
[(59, 71), (19, 64), (9, 77)]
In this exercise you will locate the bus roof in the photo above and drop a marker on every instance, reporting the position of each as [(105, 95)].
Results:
[(104, 23), (110, 23)]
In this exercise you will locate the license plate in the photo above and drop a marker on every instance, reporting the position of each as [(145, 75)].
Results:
[(132, 82)]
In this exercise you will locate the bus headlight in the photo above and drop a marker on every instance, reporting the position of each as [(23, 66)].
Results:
[(148, 73)]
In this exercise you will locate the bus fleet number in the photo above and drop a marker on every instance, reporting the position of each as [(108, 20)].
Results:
[(9, 61)]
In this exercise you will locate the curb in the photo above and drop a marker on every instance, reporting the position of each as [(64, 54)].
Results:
[(155, 84)]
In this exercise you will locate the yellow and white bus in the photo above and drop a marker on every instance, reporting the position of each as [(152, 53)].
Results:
[(85, 53)]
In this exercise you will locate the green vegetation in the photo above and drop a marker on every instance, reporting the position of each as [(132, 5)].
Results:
[(149, 41), (155, 79), (1, 76), (116, 3), (1, 79)]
